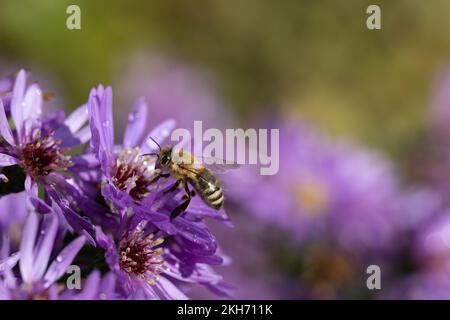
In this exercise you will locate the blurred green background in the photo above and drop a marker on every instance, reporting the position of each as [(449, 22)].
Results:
[(311, 58)]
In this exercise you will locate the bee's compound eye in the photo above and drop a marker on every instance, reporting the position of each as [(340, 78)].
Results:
[(165, 159)]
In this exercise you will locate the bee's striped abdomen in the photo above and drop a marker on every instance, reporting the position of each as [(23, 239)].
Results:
[(209, 189)]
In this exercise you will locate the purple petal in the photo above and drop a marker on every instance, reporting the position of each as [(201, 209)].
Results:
[(71, 198), (7, 273), (101, 128), (137, 121), (87, 161), (53, 293), (40, 205), (193, 258), (67, 138), (4, 245), (33, 102), (9, 262), (158, 219), (160, 133), (77, 118), (102, 239), (73, 219), (205, 275), (27, 246), (83, 135), (107, 117), (107, 286), (143, 291), (169, 290), (44, 245), (107, 243), (12, 210), (17, 110), (4, 292), (32, 107), (195, 237), (63, 260), (198, 208), (6, 160), (5, 130), (90, 286), (31, 187)]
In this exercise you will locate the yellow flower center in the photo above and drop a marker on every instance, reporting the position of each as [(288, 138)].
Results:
[(135, 170), (312, 196)]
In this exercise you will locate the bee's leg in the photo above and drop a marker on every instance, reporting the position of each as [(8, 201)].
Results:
[(174, 187), (189, 193), (159, 176), (183, 206)]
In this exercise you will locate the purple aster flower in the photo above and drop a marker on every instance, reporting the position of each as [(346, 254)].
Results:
[(39, 145), (331, 204), (31, 282), (147, 251), (150, 264), (128, 175), (37, 152), (129, 179), (37, 275), (324, 190), (112, 186)]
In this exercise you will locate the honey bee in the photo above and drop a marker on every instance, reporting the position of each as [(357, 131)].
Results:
[(181, 165)]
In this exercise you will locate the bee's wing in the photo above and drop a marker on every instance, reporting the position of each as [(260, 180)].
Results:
[(195, 162), (159, 134), (217, 165), (220, 168)]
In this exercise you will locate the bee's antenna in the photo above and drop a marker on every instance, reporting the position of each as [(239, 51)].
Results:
[(159, 147), (150, 154)]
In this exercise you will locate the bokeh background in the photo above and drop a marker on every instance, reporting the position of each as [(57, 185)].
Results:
[(363, 117)]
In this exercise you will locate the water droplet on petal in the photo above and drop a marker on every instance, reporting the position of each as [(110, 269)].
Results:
[(59, 259), (106, 123)]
